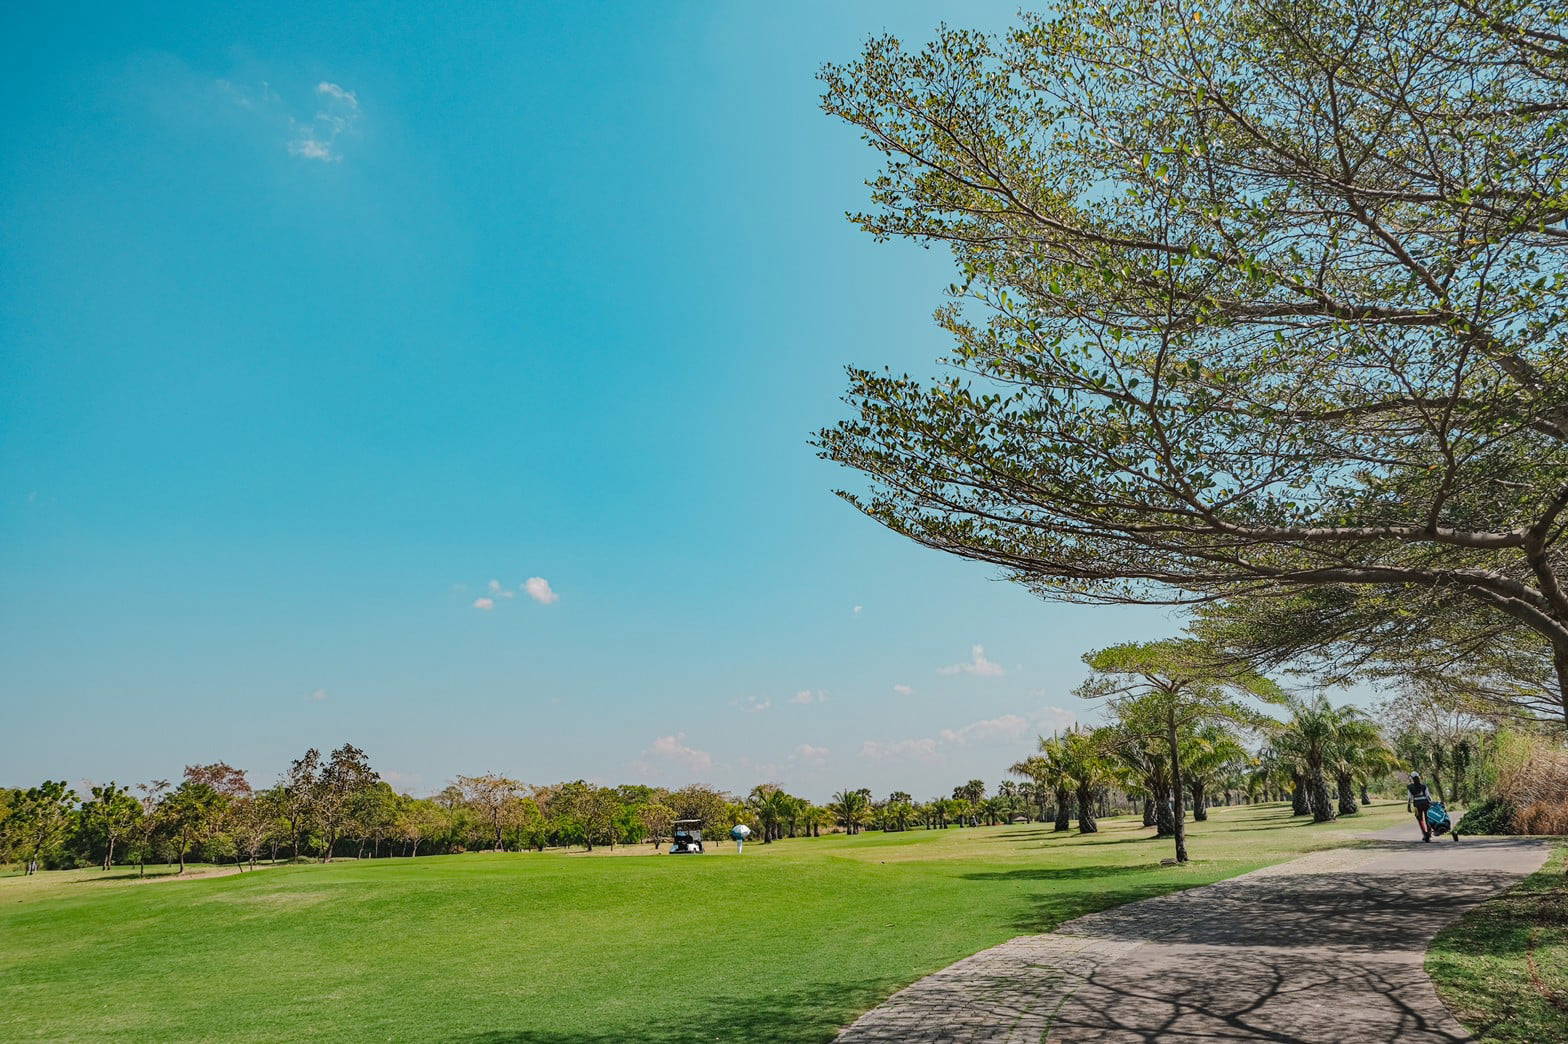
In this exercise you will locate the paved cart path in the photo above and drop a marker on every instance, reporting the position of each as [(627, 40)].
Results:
[(1326, 948)]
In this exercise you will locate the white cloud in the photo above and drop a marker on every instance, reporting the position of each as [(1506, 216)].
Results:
[(857, 609), (485, 604), (333, 90), (672, 750), (310, 148), (1006, 727), (903, 690), (806, 696), (317, 696), (752, 704), (317, 137), (811, 755), (908, 749), (977, 665), (538, 589)]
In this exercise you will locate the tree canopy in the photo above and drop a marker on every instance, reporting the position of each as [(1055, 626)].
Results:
[(1253, 296)]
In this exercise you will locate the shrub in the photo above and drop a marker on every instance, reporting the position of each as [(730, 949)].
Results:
[(1495, 815), (1533, 777)]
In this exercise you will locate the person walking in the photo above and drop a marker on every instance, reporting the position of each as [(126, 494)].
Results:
[(1420, 799)]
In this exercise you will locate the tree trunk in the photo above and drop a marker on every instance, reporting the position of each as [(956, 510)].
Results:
[(108, 854), (1365, 798), (1317, 791), (1200, 809), (1176, 787), (1299, 805), (1086, 823), (1164, 825), (1347, 793), (1148, 812), (1064, 809)]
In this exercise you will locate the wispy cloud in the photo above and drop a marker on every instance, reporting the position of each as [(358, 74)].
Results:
[(336, 114), (752, 704), (900, 750), (856, 610), (811, 755), (1006, 727), (1000, 731), (808, 696), (539, 590), (317, 696), (903, 690), (485, 604), (977, 665)]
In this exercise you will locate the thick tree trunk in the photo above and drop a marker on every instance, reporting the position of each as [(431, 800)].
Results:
[(1148, 812), (1200, 808), (1365, 797), (1164, 824), (1064, 809), (1086, 823), (1176, 787), (1299, 805), (1347, 793), (1317, 791)]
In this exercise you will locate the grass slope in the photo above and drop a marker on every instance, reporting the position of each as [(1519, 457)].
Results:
[(786, 943), (1502, 969)]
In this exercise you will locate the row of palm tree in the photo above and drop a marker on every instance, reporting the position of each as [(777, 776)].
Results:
[(1323, 756)]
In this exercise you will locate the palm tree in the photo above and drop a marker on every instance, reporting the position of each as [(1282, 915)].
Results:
[(1358, 744), (1140, 763), (851, 809), (1085, 764), (1048, 769), (1209, 754), (1324, 741)]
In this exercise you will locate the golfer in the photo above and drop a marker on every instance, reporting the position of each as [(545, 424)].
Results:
[(1420, 799)]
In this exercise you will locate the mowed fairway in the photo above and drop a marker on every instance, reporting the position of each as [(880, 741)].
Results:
[(786, 943)]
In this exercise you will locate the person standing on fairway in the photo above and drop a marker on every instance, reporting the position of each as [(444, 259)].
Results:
[(1420, 799)]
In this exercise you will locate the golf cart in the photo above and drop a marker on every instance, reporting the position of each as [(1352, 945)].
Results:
[(686, 839)]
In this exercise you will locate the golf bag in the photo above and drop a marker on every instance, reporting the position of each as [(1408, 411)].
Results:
[(1437, 818)]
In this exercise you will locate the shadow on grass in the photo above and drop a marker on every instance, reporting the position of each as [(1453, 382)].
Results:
[(1060, 873), (810, 1012)]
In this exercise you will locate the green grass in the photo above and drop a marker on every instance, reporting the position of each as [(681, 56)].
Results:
[(786, 943), (1502, 969)]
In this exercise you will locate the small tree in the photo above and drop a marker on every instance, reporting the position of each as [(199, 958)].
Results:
[(494, 798), (192, 812), (1166, 687)]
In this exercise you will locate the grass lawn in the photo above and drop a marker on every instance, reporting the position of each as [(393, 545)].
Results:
[(1503, 967), (786, 943)]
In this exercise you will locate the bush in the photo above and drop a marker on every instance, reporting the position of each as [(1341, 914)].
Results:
[(1495, 815)]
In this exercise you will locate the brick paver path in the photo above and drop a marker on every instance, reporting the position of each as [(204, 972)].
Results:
[(1327, 948)]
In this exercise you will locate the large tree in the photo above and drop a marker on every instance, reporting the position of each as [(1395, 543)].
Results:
[(1254, 296), (333, 792), (40, 818)]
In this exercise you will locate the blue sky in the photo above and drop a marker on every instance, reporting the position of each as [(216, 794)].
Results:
[(314, 323)]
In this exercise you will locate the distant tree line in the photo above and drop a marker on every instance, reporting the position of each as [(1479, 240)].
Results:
[(327, 806)]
